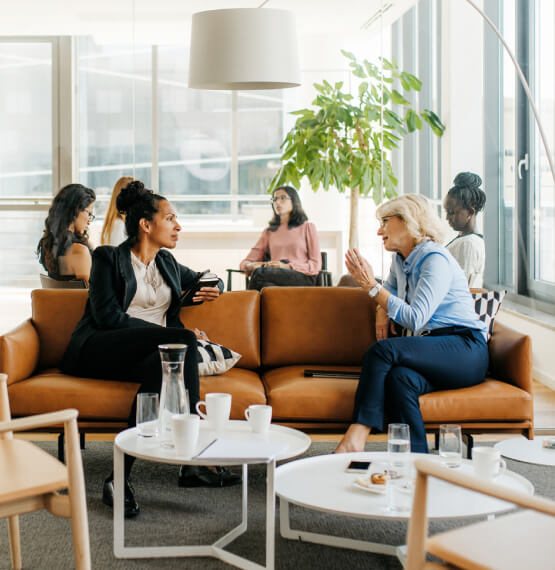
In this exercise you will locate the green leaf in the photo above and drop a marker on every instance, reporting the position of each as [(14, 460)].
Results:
[(398, 99), (362, 88), (348, 54), (434, 121), (413, 81), (386, 64), (338, 85)]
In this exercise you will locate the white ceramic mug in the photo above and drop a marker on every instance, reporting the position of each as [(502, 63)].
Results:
[(218, 408), (185, 430), (487, 462), (259, 417)]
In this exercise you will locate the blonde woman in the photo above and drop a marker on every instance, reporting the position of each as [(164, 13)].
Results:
[(427, 294), (113, 229)]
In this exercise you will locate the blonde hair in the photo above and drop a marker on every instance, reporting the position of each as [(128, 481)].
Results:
[(419, 215), (112, 212)]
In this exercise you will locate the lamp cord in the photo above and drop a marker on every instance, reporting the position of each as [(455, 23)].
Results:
[(524, 83)]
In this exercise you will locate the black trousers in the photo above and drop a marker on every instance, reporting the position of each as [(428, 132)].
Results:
[(131, 355), (276, 277)]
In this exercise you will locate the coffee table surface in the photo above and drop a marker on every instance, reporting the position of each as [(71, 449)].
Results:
[(296, 442), (527, 450), (321, 483)]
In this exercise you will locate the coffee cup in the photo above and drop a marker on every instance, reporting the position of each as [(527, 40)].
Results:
[(185, 430), (259, 417), (218, 408), (487, 462)]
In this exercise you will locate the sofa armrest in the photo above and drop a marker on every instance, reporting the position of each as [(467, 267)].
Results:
[(510, 355), (19, 352)]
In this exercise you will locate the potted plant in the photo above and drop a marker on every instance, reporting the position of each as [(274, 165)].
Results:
[(346, 142)]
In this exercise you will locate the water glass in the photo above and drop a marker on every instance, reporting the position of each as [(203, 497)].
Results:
[(398, 439), (450, 444), (147, 414)]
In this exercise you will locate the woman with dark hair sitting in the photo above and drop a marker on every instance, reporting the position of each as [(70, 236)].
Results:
[(133, 306), (462, 204), (288, 251), (64, 249)]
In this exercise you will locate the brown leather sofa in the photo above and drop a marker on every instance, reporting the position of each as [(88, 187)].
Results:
[(280, 332)]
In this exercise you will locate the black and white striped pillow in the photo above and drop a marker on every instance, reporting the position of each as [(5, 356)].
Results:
[(486, 305), (214, 358)]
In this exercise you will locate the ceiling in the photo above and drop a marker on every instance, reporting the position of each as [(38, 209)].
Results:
[(168, 21)]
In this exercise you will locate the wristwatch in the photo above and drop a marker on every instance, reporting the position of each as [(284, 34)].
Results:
[(375, 290)]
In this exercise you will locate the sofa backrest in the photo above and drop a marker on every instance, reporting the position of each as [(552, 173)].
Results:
[(232, 320), (55, 314), (316, 325)]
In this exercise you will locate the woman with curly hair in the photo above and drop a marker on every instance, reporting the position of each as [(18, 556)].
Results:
[(427, 294), (64, 249), (462, 204), (288, 252)]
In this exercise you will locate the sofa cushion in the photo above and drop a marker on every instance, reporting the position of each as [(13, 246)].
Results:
[(232, 320), (490, 400), (244, 385), (315, 325), (55, 314), (51, 390), (213, 358), (294, 397)]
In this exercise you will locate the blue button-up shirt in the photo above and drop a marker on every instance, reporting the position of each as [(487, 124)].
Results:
[(429, 290)]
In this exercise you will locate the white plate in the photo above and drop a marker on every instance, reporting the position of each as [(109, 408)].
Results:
[(370, 487)]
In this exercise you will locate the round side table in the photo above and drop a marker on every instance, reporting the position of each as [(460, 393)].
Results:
[(527, 450)]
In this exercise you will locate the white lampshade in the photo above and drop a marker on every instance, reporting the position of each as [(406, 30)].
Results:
[(244, 48)]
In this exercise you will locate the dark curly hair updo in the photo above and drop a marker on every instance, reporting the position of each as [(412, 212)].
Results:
[(467, 191), (297, 215), (136, 202), (66, 206)]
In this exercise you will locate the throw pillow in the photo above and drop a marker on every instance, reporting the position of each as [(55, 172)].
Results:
[(486, 305), (214, 358)]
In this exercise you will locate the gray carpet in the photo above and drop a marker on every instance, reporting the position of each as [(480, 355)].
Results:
[(202, 515)]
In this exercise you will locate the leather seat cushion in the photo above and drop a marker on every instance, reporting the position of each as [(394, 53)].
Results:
[(294, 397), (245, 385), (51, 390), (490, 400)]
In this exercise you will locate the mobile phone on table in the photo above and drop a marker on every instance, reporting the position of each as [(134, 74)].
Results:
[(358, 467)]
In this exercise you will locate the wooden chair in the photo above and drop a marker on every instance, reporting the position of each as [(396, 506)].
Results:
[(48, 282), (30, 478), (323, 279), (522, 539)]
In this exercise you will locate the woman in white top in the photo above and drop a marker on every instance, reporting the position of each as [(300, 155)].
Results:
[(113, 230), (462, 204), (133, 306)]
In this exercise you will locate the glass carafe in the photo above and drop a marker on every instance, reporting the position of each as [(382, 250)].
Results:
[(174, 398)]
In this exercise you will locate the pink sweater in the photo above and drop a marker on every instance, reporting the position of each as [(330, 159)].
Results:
[(299, 245)]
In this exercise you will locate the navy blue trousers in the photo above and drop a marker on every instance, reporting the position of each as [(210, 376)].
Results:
[(396, 371)]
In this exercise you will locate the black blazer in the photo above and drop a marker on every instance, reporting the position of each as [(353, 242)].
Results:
[(112, 286)]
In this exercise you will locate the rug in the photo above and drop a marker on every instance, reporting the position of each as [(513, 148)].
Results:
[(170, 514)]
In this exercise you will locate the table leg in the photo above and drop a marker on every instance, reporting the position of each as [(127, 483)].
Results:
[(270, 514), (119, 529), (329, 540)]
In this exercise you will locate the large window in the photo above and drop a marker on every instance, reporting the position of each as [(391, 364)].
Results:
[(520, 231)]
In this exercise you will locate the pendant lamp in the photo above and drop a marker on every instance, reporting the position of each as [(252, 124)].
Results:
[(243, 49)]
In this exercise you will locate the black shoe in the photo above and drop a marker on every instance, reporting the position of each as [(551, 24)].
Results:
[(130, 504), (200, 476)]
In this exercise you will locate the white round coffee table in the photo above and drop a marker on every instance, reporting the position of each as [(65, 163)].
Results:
[(527, 450), (284, 443), (320, 483)]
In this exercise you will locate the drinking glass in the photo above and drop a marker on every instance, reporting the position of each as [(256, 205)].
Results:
[(147, 414), (450, 444), (398, 439), (399, 484)]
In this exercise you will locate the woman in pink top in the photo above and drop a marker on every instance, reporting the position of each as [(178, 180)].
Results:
[(288, 252)]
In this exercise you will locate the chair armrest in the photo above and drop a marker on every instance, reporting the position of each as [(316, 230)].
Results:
[(510, 355), (19, 352), (230, 273), (492, 489), (40, 420)]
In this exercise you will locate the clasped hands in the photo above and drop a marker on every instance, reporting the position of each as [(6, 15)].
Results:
[(256, 264), (363, 273)]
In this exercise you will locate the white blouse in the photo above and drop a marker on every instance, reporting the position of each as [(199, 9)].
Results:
[(153, 297), (118, 234), (470, 251)]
